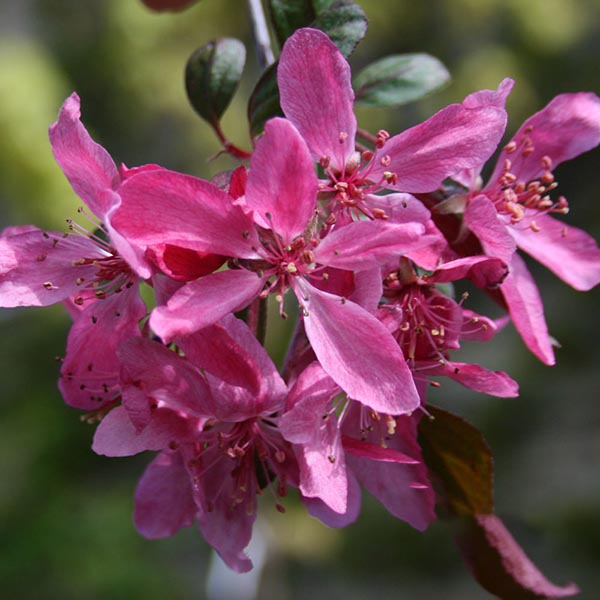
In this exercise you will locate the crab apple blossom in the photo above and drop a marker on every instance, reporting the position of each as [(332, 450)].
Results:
[(316, 96), (428, 324), (219, 441), (273, 242), (340, 444), (515, 210), (93, 269)]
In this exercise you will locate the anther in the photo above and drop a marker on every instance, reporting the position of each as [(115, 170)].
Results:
[(48, 285), (386, 161), (324, 161), (510, 147), (343, 136)]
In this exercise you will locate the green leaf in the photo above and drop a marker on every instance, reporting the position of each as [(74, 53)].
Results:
[(399, 79), (460, 463), (212, 75), (264, 101), (345, 23), (289, 15)]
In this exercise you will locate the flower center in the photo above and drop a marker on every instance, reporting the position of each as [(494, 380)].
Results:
[(516, 197), (257, 454), (346, 191)]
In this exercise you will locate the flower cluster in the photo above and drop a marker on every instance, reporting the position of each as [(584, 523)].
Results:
[(362, 238)]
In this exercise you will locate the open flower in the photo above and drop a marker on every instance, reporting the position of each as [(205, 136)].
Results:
[(317, 97), (219, 443), (340, 444), (272, 238), (515, 210), (428, 324), (92, 268)]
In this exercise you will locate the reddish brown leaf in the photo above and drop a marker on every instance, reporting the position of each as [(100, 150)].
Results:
[(499, 564), (460, 463)]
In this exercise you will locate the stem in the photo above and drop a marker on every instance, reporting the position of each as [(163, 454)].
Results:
[(256, 318), (260, 32)]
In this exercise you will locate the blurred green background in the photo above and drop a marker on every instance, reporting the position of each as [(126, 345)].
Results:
[(65, 514)]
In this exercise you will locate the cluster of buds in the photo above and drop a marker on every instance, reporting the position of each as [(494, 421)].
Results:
[(363, 239)]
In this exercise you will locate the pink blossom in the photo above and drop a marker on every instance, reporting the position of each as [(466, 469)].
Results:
[(274, 243), (219, 442), (317, 97), (514, 210), (361, 446), (428, 324), (95, 274)]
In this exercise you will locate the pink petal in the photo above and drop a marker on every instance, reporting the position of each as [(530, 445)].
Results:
[(313, 429), (194, 214), (456, 138), (117, 436), (481, 217), (87, 165), (404, 489), (367, 244), (482, 98), (526, 310), (164, 377), (163, 499), (318, 509), (568, 252), (476, 377), (183, 264), (228, 529), (89, 375), (205, 301), (316, 95), (282, 185), (357, 351), (36, 267), (364, 449), (483, 271), (404, 208), (566, 127), (231, 352)]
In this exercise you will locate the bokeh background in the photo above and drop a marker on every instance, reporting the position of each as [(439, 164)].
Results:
[(65, 514)]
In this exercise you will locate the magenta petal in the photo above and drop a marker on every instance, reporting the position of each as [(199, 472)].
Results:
[(90, 371), (364, 449), (367, 244), (281, 157), (481, 217), (228, 530), (476, 377), (87, 165), (566, 127), (313, 429), (231, 352), (36, 267), (404, 489), (163, 499), (205, 301), (164, 207), (316, 95), (318, 509), (483, 271), (357, 351), (526, 310), (164, 377), (456, 138), (568, 252), (499, 563), (117, 436)]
